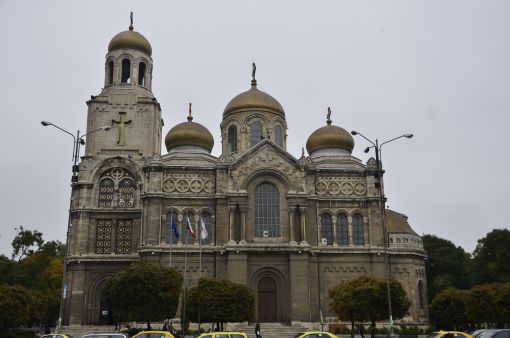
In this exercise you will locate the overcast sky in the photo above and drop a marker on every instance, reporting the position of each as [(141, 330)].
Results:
[(438, 69)]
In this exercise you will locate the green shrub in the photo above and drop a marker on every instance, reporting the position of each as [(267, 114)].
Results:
[(18, 333)]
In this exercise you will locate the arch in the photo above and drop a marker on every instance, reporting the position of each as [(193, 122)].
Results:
[(342, 229), (92, 299), (278, 135), (266, 210), (271, 172), (326, 227), (255, 133), (117, 189), (125, 76), (142, 72), (232, 138), (358, 235), (281, 283)]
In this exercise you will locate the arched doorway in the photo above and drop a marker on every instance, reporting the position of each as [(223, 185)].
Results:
[(105, 313), (267, 300)]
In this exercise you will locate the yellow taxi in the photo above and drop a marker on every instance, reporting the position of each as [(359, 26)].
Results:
[(449, 334), (315, 334), (154, 334), (223, 335)]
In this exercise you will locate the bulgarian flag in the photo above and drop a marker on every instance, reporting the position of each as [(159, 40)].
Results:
[(190, 228)]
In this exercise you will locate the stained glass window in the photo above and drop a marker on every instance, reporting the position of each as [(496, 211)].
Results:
[(278, 135), (232, 138), (104, 236), (124, 236), (357, 230), (256, 133), (326, 229), (267, 211), (342, 232), (117, 189)]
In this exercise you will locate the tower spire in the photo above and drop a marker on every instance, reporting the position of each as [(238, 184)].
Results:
[(328, 121), (131, 21), (190, 118), (253, 71)]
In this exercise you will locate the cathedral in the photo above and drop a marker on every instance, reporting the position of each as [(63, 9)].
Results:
[(288, 228)]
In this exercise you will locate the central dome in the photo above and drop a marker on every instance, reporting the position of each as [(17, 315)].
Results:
[(130, 40), (189, 134), (253, 99), (330, 137)]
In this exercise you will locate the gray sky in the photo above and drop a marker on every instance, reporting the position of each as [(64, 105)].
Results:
[(439, 69)]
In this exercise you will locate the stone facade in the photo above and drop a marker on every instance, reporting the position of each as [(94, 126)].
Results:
[(324, 214)]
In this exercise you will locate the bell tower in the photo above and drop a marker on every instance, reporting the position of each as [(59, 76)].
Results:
[(126, 103)]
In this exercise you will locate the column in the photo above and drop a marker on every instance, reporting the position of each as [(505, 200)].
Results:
[(335, 239), (292, 211), (302, 210), (243, 224), (197, 229), (349, 229), (232, 209), (179, 225)]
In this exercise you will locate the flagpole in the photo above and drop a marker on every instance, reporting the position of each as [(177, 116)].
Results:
[(170, 235), (183, 324)]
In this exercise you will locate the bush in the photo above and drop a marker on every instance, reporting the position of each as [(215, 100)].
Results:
[(18, 333)]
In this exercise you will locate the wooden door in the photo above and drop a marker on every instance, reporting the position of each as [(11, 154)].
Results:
[(267, 300)]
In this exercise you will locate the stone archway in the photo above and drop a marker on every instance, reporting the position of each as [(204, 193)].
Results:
[(267, 299)]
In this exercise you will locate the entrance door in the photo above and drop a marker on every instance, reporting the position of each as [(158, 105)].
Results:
[(105, 314), (267, 300)]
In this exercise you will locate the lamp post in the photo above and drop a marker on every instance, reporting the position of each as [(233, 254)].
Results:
[(378, 185), (78, 141)]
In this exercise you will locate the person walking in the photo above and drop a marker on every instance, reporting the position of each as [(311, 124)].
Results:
[(257, 330), (362, 331)]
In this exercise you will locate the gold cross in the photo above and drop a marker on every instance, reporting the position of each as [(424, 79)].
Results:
[(122, 128)]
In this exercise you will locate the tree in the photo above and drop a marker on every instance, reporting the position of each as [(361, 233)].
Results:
[(365, 299), (16, 306), (446, 266), (220, 301), (448, 309), (143, 292), (491, 257), (25, 241)]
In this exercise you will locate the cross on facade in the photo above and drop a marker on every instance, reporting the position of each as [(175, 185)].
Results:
[(122, 128)]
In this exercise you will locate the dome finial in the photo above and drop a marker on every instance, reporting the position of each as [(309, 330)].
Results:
[(328, 121), (190, 118), (131, 21), (253, 71)]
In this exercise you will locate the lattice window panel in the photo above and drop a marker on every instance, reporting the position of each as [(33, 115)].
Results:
[(104, 237), (117, 189), (106, 191), (124, 236), (126, 193)]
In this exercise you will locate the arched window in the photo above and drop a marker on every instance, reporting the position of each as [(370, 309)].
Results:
[(342, 233), (117, 189), (267, 211), (172, 226), (141, 73), (207, 236), (256, 133), (187, 222), (357, 230), (420, 294), (110, 72), (297, 225), (326, 229), (126, 71), (278, 135), (232, 138)]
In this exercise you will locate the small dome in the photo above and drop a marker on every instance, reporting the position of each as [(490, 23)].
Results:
[(132, 40), (330, 137), (254, 99), (397, 223), (189, 134)]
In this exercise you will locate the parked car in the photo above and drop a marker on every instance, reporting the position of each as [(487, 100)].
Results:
[(494, 333), (449, 334), (106, 335), (476, 333), (154, 334), (223, 335), (315, 334), (56, 335)]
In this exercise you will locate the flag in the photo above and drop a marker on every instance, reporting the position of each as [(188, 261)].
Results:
[(190, 228), (174, 227), (203, 230)]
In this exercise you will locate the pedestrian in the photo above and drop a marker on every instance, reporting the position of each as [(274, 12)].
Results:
[(362, 331), (257, 330)]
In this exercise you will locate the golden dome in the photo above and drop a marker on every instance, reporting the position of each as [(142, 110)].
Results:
[(397, 223), (330, 137), (189, 134), (254, 99), (130, 39)]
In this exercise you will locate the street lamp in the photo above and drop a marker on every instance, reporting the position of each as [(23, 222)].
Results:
[(78, 141), (378, 185)]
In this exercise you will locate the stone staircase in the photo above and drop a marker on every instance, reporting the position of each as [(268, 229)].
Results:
[(79, 330), (273, 330)]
